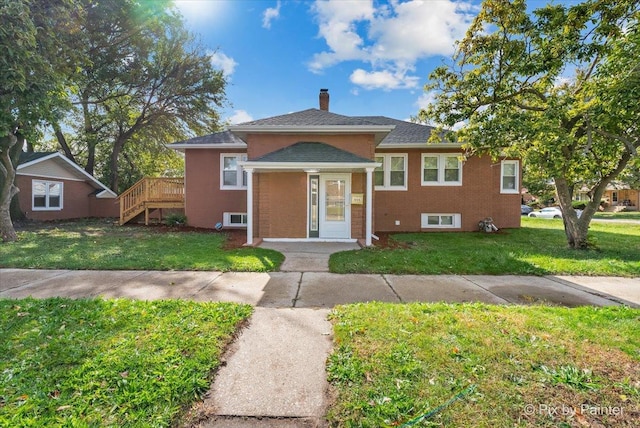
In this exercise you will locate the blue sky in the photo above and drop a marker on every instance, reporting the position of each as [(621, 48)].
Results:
[(373, 56)]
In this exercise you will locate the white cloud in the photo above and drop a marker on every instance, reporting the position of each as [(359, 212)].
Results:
[(240, 116), (425, 100), (384, 79), (270, 14), (221, 61), (390, 37)]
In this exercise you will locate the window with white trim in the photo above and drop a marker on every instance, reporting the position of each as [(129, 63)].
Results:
[(440, 221), (46, 195), (441, 169), (234, 219), (232, 175), (509, 176), (392, 174)]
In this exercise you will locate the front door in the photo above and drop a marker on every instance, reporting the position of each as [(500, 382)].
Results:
[(335, 207)]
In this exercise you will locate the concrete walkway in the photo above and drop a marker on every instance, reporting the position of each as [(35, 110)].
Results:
[(273, 374)]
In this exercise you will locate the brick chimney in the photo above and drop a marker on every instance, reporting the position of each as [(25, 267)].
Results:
[(324, 99)]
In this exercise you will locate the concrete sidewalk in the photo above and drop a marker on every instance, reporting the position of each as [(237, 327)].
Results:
[(274, 373), (319, 289)]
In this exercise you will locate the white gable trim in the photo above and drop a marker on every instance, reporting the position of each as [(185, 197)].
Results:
[(105, 193)]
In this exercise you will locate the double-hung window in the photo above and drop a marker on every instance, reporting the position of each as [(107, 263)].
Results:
[(441, 170), (509, 176), (46, 195), (392, 174), (232, 175)]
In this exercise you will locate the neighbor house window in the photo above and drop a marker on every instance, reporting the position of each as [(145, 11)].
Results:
[(441, 170), (392, 174), (509, 176), (440, 221), (234, 219), (46, 195), (232, 176)]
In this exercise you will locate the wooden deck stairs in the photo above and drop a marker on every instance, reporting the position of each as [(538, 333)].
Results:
[(149, 194)]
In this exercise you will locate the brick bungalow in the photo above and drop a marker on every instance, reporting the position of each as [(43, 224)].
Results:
[(317, 175), (52, 187)]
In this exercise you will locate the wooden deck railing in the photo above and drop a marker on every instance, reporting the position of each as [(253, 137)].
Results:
[(151, 192)]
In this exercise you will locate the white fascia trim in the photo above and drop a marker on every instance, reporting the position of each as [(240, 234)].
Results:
[(308, 240), (49, 176), (37, 161), (422, 145), (77, 169), (317, 129), (307, 165), (182, 147)]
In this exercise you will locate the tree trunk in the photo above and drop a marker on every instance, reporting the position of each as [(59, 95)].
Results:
[(575, 228), (63, 142), (7, 187), (14, 153)]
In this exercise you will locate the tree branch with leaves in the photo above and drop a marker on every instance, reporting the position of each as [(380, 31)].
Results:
[(557, 88)]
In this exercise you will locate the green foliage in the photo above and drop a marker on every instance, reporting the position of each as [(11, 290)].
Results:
[(176, 219), (557, 88), (538, 248), (146, 82), (579, 205), (393, 363), (96, 245), (108, 362), (571, 376)]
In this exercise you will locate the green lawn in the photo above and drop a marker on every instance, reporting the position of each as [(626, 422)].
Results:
[(108, 362), (631, 215), (537, 248), (96, 244), (513, 365)]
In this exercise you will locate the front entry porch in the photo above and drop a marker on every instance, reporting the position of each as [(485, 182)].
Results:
[(307, 199)]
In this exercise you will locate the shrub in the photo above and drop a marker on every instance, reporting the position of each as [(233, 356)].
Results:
[(176, 219), (579, 205)]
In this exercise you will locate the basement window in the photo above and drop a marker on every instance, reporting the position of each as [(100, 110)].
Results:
[(235, 219), (440, 221)]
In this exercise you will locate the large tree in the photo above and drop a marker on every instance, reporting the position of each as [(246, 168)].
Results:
[(33, 63), (146, 82), (558, 87)]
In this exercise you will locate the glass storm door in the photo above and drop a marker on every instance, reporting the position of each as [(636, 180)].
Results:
[(335, 209)]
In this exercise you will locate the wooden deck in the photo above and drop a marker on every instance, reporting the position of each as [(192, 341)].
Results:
[(149, 194)]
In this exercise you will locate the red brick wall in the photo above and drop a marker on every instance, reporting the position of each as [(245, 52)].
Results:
[(282, 204), (78, 201), (205, 203), (477, 198)]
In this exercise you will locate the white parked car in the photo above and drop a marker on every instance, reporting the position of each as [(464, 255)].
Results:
[(550, 212)]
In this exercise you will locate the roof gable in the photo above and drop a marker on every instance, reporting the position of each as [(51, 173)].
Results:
[(303, 152), (63, 168)]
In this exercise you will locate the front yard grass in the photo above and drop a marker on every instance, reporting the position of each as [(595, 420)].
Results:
[(531, 366), (538, 248), (623, 215), (100, 244), (108, 362)]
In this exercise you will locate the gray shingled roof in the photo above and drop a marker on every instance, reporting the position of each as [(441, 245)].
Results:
[(311, 152), (29, 157), (404, 132), (310, 117), (224, 137)]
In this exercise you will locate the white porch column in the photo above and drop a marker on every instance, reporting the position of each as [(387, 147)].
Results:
[(369, 208), (249, 206)]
